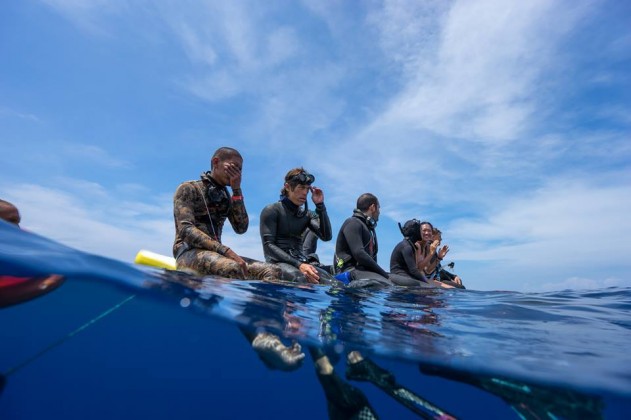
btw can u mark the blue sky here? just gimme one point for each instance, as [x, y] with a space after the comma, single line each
[506, 124]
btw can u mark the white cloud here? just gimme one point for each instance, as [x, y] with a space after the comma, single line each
[10, 113]
[198, 48]
[93, 154]
[487, 71]
[95, 222]
[577, 229]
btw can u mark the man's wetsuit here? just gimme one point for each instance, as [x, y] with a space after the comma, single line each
[200, 209]
[282, 227]
[309, 242]
[356, 249]
[403, 263]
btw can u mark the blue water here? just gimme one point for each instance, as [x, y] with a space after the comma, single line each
[119, 341]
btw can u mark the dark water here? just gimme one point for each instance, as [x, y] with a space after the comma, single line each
[116, 341]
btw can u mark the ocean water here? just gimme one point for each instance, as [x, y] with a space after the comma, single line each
[122, 341]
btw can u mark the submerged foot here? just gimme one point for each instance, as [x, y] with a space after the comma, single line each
[360, 369]
[344, 400]
[275, 354]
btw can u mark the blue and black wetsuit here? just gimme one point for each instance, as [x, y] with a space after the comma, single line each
[282, 226]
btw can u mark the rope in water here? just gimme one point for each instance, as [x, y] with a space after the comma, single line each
[68, 336]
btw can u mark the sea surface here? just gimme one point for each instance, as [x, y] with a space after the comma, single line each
[120, 341]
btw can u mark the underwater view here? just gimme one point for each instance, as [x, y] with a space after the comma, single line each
[98, 338]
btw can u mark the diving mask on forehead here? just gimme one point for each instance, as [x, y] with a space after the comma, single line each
[302, 178]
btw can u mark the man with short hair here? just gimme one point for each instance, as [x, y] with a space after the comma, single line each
[200, 209]
[356, 245]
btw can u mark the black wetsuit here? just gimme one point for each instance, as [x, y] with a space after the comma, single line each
[356, 249]
[282, 226]
[403, 263]
[309, 242]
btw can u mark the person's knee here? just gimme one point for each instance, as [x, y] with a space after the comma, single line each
[228, 268]
[399, 280]
[210, 263]
[291, 273]
[264, 271]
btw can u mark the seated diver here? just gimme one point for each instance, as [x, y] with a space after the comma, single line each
[200, 209]
[356, 248]
[283, 223]
[403, 258]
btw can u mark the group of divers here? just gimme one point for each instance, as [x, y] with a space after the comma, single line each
[289, 232]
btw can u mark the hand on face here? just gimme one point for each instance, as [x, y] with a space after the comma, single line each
[317, 195]
[233, 172]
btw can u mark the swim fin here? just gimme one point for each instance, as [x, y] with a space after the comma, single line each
[366, 370]
[529, 400]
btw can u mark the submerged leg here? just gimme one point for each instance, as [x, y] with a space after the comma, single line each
[361, 369]
[530, 401]
[344, 401]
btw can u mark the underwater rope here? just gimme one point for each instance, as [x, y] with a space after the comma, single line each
[66, 337]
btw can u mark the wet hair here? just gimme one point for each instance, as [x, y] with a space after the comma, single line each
[411, 230]
[289, 179]
[366, 200]
[224, 153]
